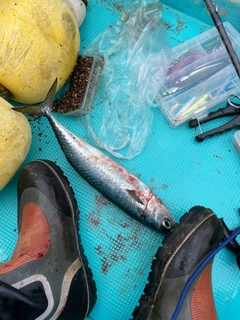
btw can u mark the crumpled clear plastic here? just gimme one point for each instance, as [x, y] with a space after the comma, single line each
[136, 59]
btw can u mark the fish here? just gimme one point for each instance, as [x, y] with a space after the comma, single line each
[103, 173]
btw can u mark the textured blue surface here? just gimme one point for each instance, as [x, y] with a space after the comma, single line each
[182, 172]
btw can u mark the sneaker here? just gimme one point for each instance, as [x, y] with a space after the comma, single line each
[183, 250]
[48, 275]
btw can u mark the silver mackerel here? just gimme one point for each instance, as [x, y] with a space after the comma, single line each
[105, 174]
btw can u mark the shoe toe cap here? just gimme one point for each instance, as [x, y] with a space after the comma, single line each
[49, 179]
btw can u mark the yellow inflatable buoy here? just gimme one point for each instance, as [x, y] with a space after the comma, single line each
[39, 42]
[15, 140]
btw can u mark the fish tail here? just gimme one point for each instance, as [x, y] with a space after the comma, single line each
[40, 109]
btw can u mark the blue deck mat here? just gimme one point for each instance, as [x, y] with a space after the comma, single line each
[182, 172]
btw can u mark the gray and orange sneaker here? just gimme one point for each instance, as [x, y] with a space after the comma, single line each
[48, 275]
[184, 249]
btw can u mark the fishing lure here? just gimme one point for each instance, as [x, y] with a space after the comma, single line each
[193, 104]
[184, 62]
[198, 75]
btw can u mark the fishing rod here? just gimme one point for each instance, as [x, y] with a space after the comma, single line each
[223, 34]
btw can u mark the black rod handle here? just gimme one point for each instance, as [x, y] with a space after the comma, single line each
[223, 34]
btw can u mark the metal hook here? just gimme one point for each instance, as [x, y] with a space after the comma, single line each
[233, 104]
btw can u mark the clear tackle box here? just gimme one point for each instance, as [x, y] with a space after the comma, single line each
[200, 76]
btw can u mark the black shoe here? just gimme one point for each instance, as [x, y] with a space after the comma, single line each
[48, 276]
[184, 248]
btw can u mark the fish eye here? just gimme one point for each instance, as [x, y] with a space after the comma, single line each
[166, 224]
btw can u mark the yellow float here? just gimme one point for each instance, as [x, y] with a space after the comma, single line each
[39, 42]
[15, 140]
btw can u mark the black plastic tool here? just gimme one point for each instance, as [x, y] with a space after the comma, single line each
[231, 109]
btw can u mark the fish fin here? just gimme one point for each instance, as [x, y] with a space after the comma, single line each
[132, 193]
[42, 108]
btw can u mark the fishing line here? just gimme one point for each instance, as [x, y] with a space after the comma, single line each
[199, 270]
[223, 34]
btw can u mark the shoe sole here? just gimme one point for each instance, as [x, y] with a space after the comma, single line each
[190, 221]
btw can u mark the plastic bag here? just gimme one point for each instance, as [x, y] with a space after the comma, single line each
[135, 52]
